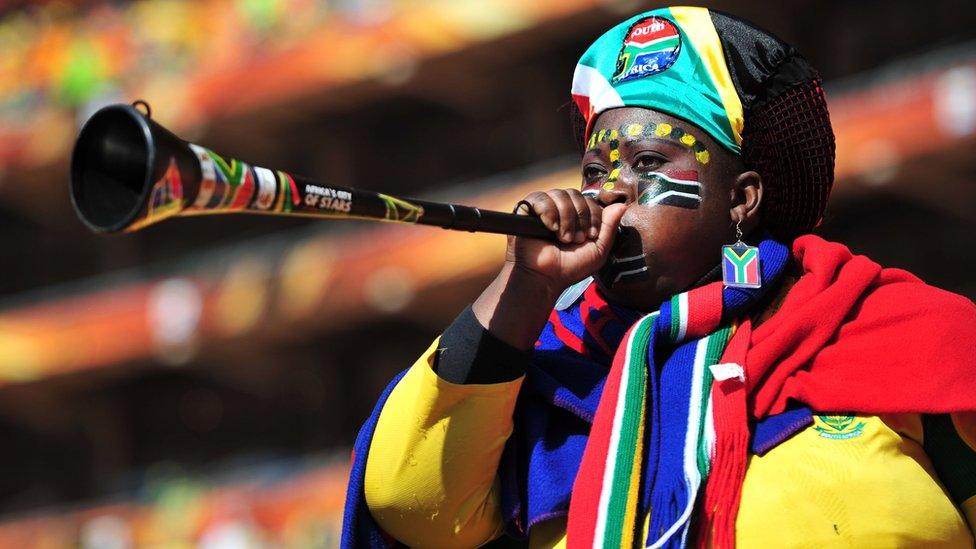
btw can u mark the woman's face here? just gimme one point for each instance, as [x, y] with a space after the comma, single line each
[683, 194]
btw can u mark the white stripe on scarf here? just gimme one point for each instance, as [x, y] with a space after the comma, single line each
[682, 316]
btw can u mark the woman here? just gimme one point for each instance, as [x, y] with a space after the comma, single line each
[653, 379]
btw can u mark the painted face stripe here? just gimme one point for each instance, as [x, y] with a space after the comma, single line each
[699, 29]
[651, 131]
[672, 198]
[689, 184]
[630, 272]
[657, 188]
[626, 266]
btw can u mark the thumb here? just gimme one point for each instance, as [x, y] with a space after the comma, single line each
[612, 215]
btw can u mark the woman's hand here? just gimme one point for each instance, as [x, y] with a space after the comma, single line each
[515, 306]
[585, 230]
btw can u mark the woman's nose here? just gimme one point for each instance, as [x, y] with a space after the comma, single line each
[620, 187]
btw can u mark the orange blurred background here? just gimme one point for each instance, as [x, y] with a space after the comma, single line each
[200, 383]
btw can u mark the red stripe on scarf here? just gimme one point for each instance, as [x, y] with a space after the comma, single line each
[728, 469]
[584, 504]
[704, 310]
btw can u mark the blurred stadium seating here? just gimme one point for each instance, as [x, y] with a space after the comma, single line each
[201, 382]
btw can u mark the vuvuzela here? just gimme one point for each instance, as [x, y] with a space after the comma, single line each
[128, 172]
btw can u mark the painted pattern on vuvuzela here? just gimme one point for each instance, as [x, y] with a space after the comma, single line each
[400, 210]
[231, 185]
[165, 198]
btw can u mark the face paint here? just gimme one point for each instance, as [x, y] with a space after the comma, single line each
[650, 131]
[627, 261]
[672, 188]
[626, 267]
[614, 160]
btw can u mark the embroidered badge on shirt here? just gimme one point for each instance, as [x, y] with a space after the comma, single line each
[651, 46]
[838, 427]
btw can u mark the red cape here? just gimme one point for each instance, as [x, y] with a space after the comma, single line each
[852, 336]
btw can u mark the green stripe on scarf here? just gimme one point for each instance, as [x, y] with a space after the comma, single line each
[629, 429]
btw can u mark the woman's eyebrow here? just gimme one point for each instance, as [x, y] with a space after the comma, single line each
[631, 133]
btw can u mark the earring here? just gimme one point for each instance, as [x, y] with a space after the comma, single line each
[740, 263]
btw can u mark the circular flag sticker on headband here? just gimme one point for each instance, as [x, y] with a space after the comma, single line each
[651, 46]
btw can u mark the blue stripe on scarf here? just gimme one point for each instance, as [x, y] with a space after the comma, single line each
[669, 493]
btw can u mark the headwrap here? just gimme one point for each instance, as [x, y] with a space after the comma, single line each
[750, 92]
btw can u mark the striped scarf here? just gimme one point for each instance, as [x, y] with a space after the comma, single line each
[670, 414]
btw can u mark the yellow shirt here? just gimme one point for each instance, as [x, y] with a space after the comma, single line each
[843, 481]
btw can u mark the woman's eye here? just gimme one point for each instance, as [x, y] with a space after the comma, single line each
[646, 162]
[591, 172]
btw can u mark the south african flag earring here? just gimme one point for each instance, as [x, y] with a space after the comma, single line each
[740, 263]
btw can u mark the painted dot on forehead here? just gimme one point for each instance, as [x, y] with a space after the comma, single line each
[634, 130]
[662, 130]
[614, 159]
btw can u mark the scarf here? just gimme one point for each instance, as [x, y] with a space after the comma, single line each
[660, 428]
[849, 336]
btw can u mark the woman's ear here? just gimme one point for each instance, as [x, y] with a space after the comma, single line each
[747, 193]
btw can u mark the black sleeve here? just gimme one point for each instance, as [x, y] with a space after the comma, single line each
[469, 354]
[953, 459]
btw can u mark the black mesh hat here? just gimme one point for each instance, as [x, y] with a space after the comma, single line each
[751, 92]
